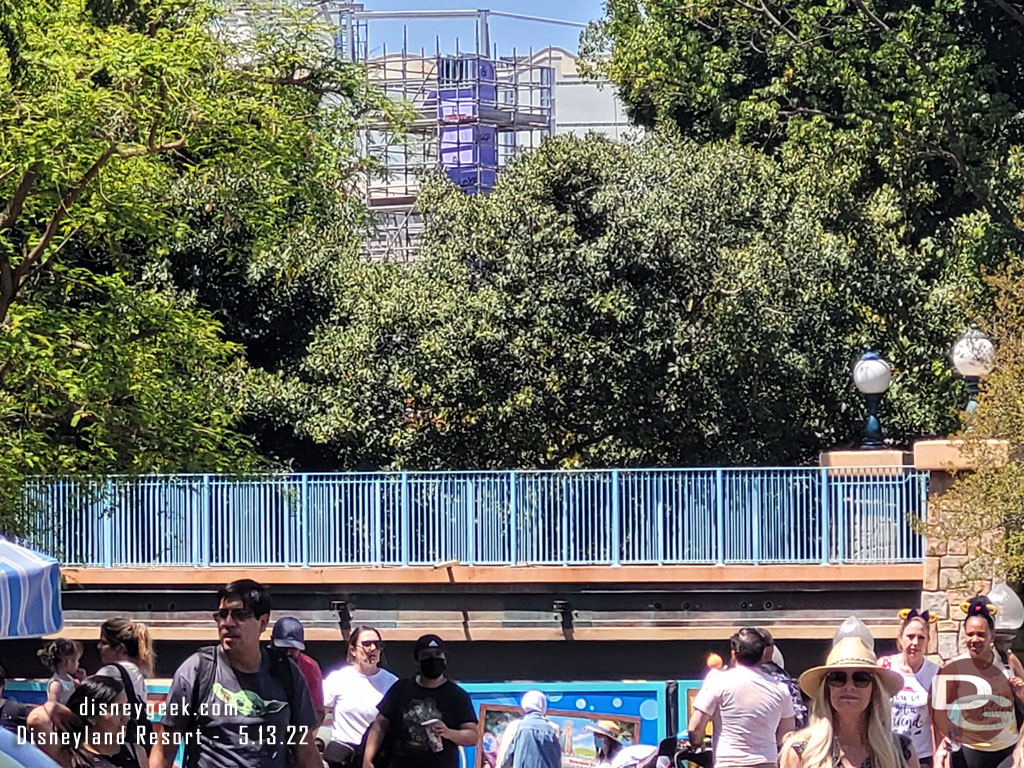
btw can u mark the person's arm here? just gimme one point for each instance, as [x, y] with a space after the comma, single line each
[697, 727]
[786, 725]
[912, 761]
[162, 755]
[306, 753]
[790, 758]
[465, 735]
[53, 691]
[176, 715]
[1017, 677]
[374, 738]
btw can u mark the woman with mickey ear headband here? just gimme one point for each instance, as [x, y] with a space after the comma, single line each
[980, 733]
[910, 714]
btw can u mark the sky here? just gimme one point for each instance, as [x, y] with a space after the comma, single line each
[507, 33]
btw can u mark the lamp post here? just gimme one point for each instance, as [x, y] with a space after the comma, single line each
[973, 356]
[871, 376]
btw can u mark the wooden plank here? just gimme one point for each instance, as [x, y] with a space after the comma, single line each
[702, 575]
[515, 634]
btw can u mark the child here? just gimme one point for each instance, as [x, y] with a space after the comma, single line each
[61, 657]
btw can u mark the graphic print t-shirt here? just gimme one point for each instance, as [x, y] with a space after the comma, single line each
[910, 715]
[406, 705]
[246, 721]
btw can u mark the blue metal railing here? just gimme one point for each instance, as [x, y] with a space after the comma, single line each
[602, 517]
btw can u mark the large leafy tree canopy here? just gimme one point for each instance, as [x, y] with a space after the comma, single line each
[653, 303]
[926, 97]
[132, 132]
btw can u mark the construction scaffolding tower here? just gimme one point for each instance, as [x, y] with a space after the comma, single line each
[471, 113]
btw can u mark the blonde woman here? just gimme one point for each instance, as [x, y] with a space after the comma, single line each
[850, 723]
[910, 712]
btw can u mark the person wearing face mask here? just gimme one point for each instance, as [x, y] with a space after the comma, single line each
[424, 719]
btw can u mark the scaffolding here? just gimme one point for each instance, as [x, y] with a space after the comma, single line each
[471, 113]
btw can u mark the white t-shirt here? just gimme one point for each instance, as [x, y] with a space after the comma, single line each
[354, 698]
[751, 704]
[910, 715]
[134, 674]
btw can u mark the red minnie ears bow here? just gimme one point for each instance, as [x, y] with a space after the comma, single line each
[912, 613]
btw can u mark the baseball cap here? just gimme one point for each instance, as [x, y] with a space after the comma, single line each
[428, 642]
[288, 633]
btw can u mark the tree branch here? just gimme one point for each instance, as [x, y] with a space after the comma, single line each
[1010, 11]
[13, 208]
[58, 217]
[766, 11]
[996, 208]
[170, 146]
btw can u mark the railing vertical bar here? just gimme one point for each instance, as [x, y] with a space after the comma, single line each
[304, 530]
[823, 516]
[405, 518]
[720, 516]
[616, 522]
[108, 526]
[513, 503]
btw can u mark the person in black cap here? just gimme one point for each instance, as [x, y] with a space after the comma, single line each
[423, 719]
[289, 636]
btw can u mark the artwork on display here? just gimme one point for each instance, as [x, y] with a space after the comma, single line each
[577, 743]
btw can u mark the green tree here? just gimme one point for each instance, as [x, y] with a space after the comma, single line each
[925, 97]
[634, 304]
[122, 124]
[983, 506]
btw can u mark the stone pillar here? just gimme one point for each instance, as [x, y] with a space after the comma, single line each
[942, 587]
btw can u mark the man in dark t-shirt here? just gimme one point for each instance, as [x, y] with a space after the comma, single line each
[424, 719]
[237, 705]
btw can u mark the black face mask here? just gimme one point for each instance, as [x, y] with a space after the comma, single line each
[432, 668]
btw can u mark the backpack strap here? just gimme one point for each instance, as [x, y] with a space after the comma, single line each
[138, 714]
[206, 671]
[284, 669]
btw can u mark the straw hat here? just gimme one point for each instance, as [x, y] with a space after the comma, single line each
[851, 653]
[608, 728]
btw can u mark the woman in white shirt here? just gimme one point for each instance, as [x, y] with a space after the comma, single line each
[352, 694]
[910, 713]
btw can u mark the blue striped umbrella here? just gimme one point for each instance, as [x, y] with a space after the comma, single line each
[29, 592]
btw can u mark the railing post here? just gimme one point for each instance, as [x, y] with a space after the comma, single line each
[756, 528]
[470, 521]
[720, 516]
[616, 519]
[825, 522]
[564, 492]
[205, 533]
[405, 518]
[513, 518]
[108, 525]
[378, 530]
[919, 538]
[304, 520]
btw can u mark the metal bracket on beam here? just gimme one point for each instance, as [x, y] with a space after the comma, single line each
[564, 615]
[344, 610]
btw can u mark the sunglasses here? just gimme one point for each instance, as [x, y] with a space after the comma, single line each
[370, 644]
[860, 679]
[239, 614]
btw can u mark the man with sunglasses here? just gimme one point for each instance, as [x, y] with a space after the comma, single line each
[756, 710]
[236, 705]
